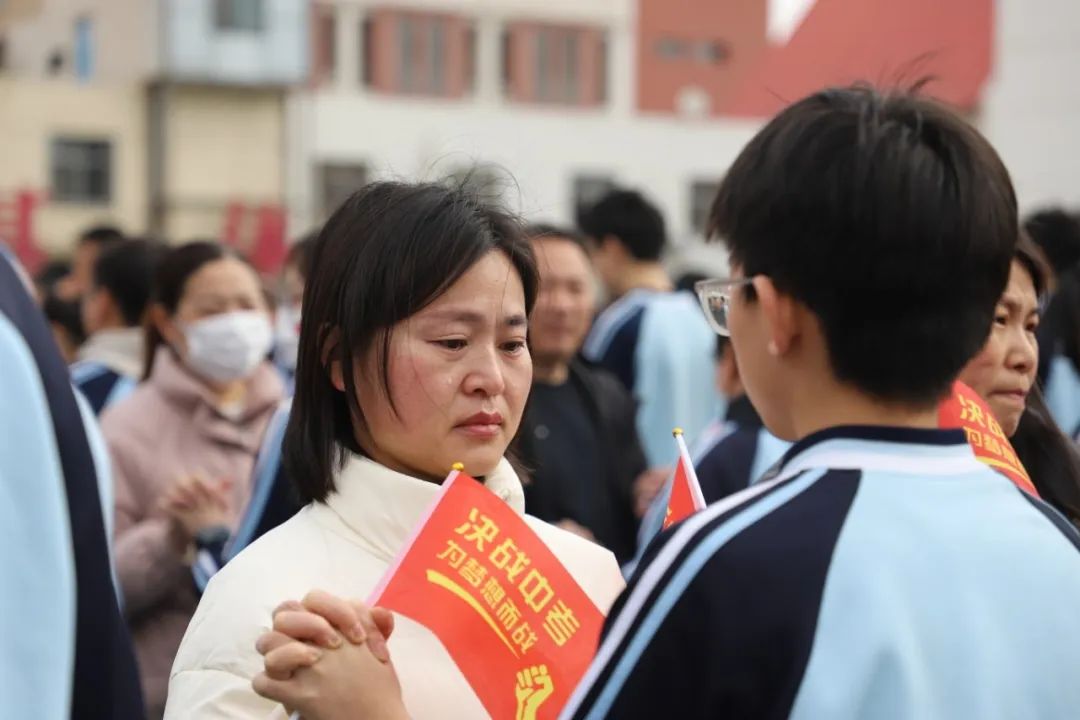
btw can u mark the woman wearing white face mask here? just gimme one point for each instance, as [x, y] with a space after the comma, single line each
[183, 443]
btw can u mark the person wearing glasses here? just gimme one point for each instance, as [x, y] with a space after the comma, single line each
[885, 572]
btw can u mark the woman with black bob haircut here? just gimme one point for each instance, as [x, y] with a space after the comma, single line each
[1004, 373]
[413, 356]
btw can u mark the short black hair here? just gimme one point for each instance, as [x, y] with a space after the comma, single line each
[888, 216]
[101, 235]
[65, 313]
[627, 216]
[388, 252]
[1057, 233]
[126, 271]
[539, 231]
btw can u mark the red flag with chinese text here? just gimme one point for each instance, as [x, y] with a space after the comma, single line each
[518, 626]
[686, 497]
[966, 410]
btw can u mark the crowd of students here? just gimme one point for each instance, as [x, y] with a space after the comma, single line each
[246, 441]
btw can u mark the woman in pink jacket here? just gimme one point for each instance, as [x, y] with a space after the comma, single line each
[183, 444]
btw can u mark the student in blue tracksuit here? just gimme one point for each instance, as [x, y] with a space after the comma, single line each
[884, 572]
[651, 337]
[65, 651]
[110, 362]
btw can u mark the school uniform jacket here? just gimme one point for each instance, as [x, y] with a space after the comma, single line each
[885, 573]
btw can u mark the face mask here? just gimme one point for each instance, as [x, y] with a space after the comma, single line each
[229, 346]
[287, 336]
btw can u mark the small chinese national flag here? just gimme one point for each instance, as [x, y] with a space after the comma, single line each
[966, 410]
[685, 498]
[518, 626]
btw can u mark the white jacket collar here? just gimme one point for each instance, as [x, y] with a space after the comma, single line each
[383, 506]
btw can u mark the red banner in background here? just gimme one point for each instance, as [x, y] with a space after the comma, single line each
[518, 626]
[966, 410]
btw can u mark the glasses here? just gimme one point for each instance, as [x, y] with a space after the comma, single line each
[715, 298]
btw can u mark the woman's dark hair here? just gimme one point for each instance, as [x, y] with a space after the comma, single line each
[173, 272]
[1050, 458]
[388, 252]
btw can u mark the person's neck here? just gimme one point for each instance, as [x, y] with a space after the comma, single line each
[836, 405]
[643, 275]
[550, 371]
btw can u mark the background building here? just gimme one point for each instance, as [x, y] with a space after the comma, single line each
[162, 115]
[249, 120]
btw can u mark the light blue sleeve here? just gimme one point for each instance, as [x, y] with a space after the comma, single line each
[675, 375]
[37, 596]
[1063, 394]
[102, 465]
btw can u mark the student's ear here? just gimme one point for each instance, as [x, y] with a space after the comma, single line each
[780, 312]
[333, 367]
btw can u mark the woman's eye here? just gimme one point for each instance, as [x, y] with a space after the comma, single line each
[514, 346]
[452, 343]
[1001, 319]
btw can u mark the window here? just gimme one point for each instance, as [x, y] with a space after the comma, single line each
[422, 60]
[337, 181]
[557, 52]
[702, 194]
[324, 48]
[81, 170]
[506, 49]
[588, 190]
[84, 49]
[367, 45]
[240, 15]
[553, 64]
[712, 52]
[672, 48]
[470, 59]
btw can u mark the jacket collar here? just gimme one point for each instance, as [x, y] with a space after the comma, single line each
[890, 449]
[383, 506]
[263, 390]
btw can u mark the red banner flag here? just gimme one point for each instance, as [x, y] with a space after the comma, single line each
[518, 626]
[966, 410]
[686, 497]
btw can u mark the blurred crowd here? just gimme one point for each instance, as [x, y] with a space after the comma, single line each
[186, 363]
